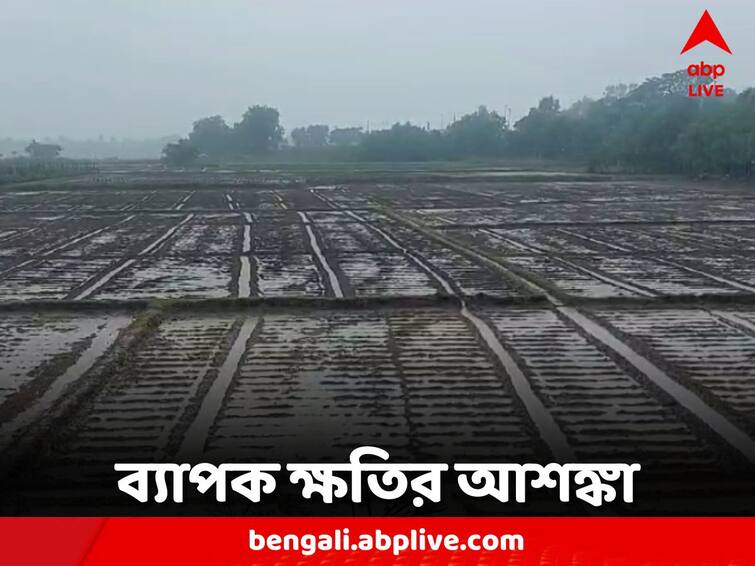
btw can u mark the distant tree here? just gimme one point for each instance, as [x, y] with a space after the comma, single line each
[545, 132]
[668, 84]
[346, 136]
[618, 90]
[259, 131]
[43, 151]
[311, 136]
[180, 154]
[299, 136]
[403, 142]
[211, 136]
[549, 104]
[721, 139]
[653, 127]
[480, 134]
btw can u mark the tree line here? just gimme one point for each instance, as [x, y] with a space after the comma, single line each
[259, 132]
[653, 127]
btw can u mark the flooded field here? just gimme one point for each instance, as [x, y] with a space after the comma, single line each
[229, 316]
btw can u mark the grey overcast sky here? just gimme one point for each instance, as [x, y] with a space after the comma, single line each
[144, 68]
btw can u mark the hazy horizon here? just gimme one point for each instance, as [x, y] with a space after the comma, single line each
[138, 70]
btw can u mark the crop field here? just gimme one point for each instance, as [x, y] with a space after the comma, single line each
[270, 316]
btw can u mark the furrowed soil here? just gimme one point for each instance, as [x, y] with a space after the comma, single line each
[449, 316]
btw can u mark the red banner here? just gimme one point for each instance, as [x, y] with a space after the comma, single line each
[375, 541]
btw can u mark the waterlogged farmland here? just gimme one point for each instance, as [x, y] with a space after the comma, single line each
[152, 316]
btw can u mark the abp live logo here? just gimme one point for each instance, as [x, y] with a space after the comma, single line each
[706, 30]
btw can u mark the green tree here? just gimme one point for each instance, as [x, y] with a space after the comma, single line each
[180, 154]
[721, 140]
[343, 137]
[618, 91]
[479, 134]
[315, 135]
[403, 142]
[211, 136]
[546, 132]
[258, 132]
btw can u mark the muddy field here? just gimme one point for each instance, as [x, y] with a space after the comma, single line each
[227, 316]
